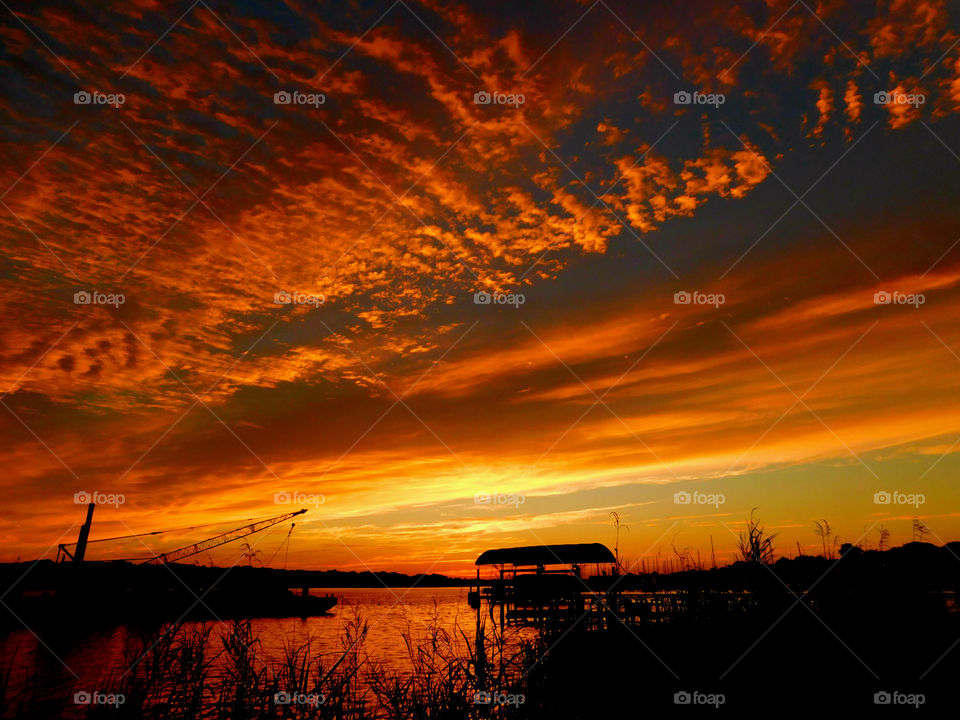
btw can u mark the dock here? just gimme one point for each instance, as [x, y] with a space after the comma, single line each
[551, 586]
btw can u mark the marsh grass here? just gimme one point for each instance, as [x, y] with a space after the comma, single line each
[190, 671]
[448, 674]
[218, 672]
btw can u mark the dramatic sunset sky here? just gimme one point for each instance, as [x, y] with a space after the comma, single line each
[398, 398]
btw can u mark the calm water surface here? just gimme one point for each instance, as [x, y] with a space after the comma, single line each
[90, 659]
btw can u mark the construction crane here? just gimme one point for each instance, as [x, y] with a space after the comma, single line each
[179, 553]
[223, 539]
[77, 555]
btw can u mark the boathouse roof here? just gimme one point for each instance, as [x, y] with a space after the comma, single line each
[572, 554]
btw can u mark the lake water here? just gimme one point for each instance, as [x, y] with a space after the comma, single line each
[90, 659]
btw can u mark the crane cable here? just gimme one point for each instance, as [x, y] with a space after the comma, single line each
[286, 542]
[292, 525]
[183, 529]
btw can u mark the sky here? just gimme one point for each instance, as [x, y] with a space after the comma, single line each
[719, 243]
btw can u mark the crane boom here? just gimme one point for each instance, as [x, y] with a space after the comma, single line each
[222, 539]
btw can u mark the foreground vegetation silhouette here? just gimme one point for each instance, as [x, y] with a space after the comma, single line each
[840, 632]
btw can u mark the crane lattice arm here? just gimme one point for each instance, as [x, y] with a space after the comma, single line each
[217, 540]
